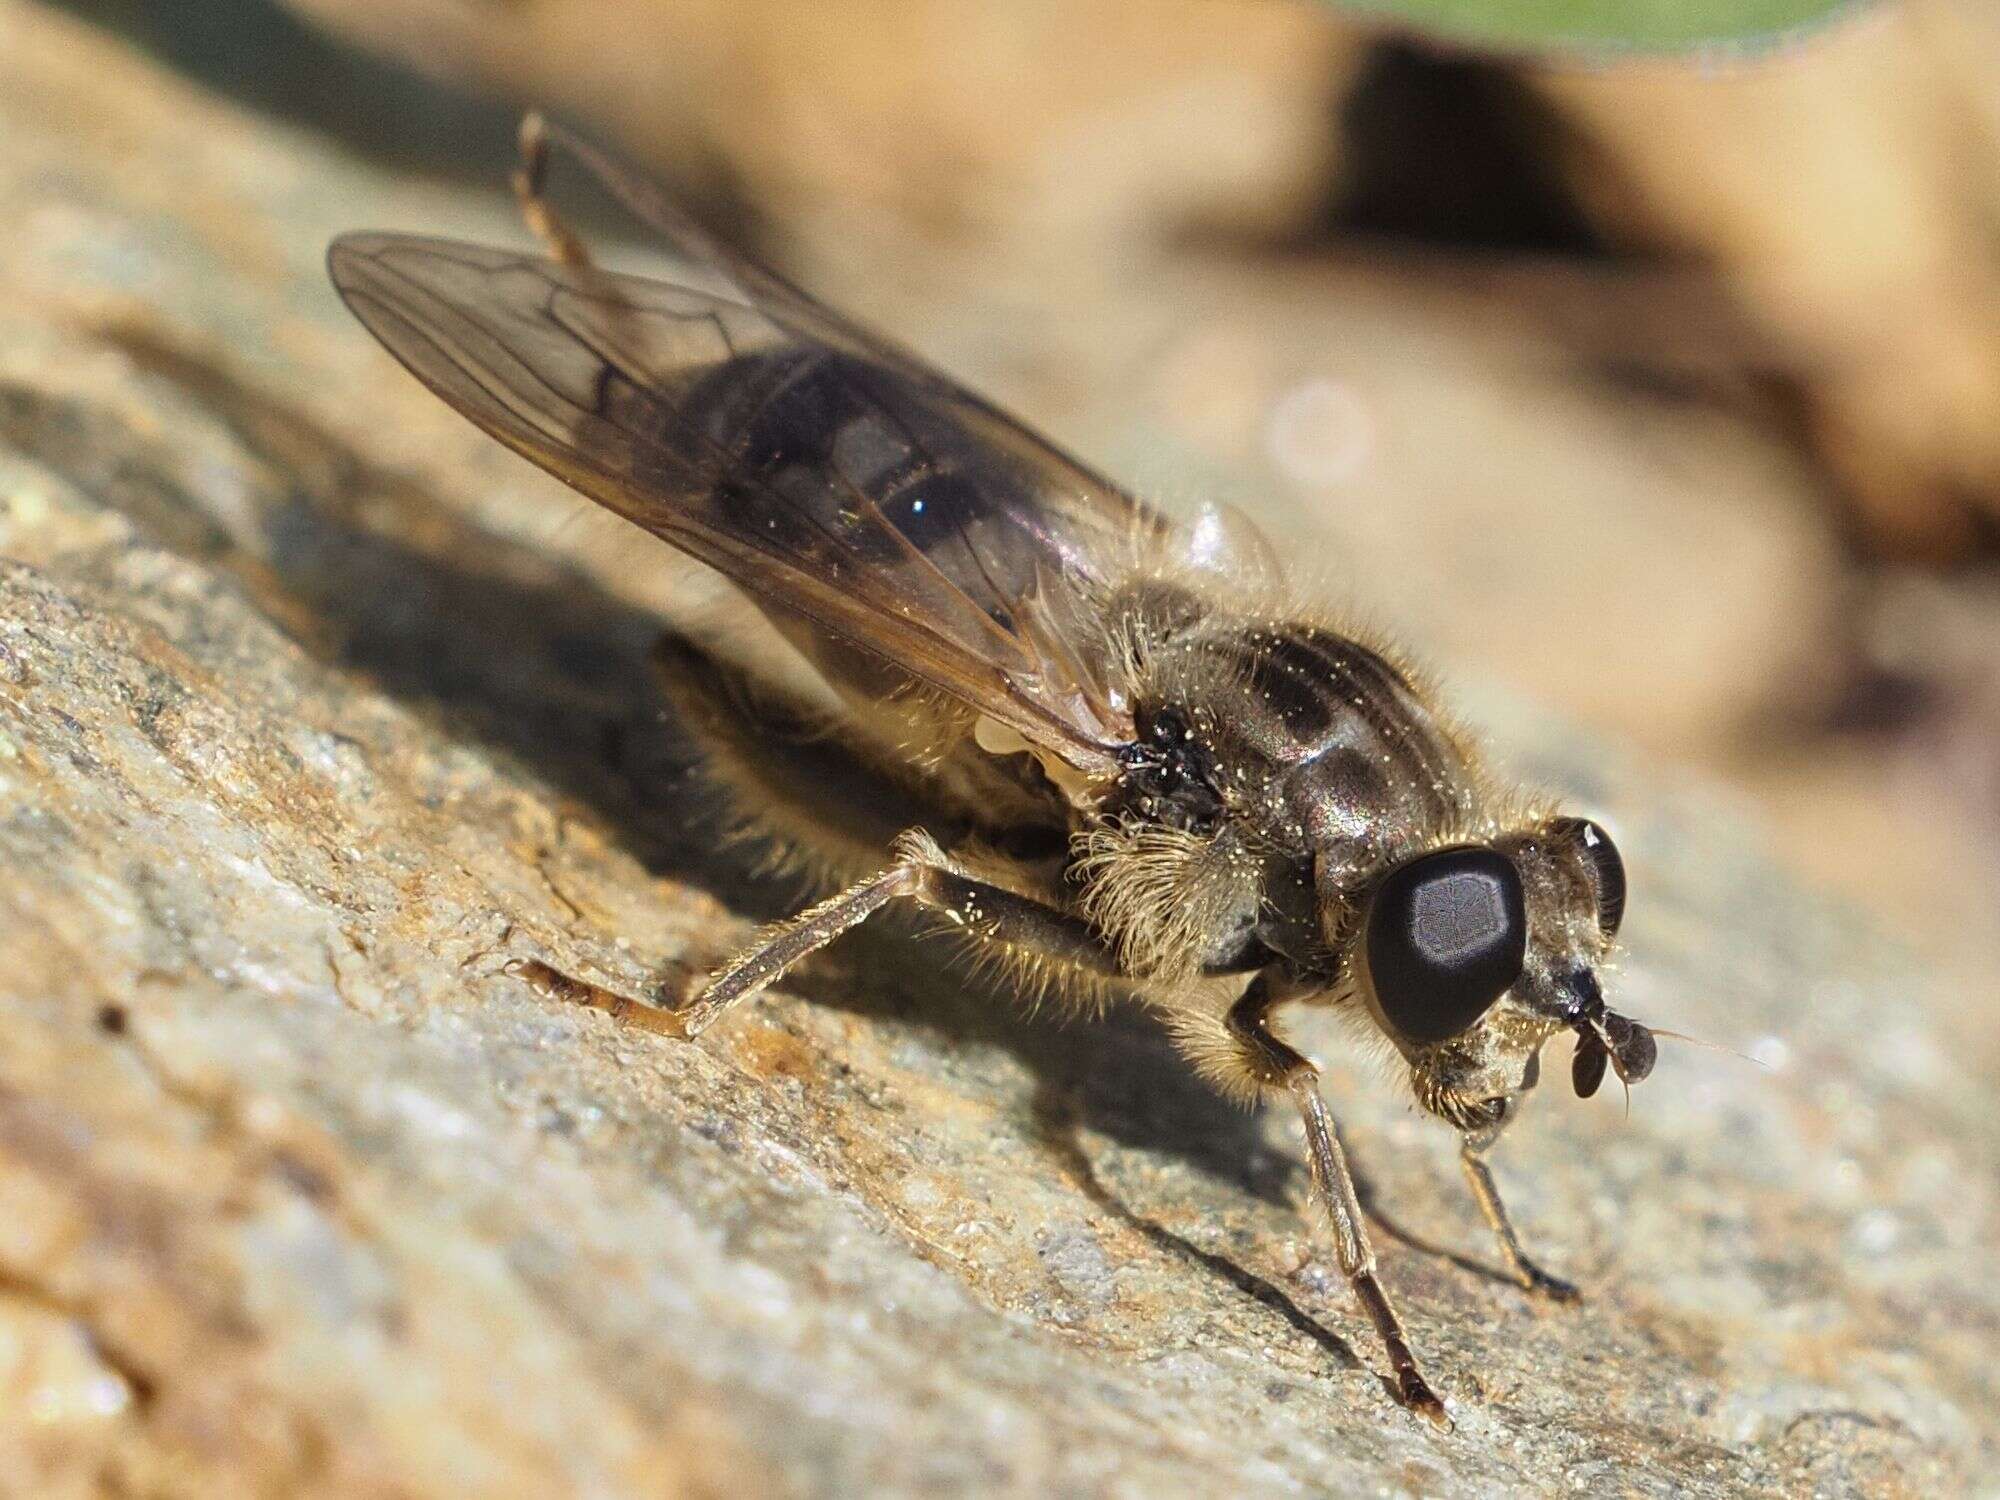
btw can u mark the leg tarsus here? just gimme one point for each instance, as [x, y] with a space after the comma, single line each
[1409, 1386]
[624, 1009]
[759, 965]
[1550, 1287]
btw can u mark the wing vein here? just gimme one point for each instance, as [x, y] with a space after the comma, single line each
[833, 475]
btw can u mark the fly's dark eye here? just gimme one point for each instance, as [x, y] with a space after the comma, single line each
[1607, 868]
[1446, 937]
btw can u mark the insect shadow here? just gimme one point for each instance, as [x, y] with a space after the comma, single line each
[1058, 1114]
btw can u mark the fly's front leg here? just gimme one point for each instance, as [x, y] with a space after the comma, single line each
[1276, 1065]
[1472, 1155]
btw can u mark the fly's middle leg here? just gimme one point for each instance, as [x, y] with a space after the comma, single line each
[924, 874]
[778, 767]
[921, 873]
[765, 961]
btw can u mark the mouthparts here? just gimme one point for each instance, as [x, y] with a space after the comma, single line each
[1606, 1039]
[1619, 1041]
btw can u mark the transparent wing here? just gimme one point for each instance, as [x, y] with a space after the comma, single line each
[836, 478]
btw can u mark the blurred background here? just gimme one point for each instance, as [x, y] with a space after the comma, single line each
[1663, 392]
[1656, 400]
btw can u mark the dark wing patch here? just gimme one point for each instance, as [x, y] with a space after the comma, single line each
[833, 476]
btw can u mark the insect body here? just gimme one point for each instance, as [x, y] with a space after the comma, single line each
[1113, 761]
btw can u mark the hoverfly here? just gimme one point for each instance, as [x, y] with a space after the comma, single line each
[1118, 767]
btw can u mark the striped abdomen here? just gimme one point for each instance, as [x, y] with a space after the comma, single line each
[1335, 732]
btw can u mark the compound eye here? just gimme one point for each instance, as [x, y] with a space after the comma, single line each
[1606, 868]
[1446, 937]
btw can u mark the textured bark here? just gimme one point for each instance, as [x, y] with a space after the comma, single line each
[311, 722]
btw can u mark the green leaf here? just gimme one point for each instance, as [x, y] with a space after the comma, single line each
[1610, 26]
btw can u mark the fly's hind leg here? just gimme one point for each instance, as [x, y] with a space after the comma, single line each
[771, 764]
[529, 177]
[784, 768]
[1273, 1064]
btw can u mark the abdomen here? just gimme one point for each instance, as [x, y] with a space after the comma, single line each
[1354, 752]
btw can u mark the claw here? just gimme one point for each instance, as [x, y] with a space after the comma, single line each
[1539, 1283]
[1413, 1393]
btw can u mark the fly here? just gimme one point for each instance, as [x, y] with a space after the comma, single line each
[1111, 751]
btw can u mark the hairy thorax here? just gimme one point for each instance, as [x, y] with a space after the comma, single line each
[1272, 761]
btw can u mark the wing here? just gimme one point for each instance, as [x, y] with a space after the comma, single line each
[835, 477]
